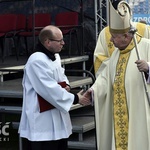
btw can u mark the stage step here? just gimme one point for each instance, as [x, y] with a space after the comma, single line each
[82, 125]
[89, 142]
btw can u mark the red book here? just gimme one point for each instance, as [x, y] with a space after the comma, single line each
[45, 105]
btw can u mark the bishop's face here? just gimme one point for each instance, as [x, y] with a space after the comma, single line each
[119, 40]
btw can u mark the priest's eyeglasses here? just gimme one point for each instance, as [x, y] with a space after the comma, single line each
[60, 41]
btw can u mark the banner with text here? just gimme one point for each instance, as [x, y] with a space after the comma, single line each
[139, 17]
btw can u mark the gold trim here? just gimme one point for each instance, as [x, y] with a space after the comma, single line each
[98, 62]
[120, 104]
[141, 28]
[110, 44]
[119, 31]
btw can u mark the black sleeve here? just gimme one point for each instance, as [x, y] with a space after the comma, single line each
[146, 75]
[76, 99]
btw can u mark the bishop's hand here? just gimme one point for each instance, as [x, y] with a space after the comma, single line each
[84, 98]
[142, 65]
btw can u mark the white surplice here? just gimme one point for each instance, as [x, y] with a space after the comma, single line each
[41, 75]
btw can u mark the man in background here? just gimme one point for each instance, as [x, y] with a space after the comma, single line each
[104, 47]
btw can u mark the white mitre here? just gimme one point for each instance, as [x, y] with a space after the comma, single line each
[120, 19]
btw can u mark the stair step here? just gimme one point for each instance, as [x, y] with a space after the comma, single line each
[82, 125]
[81, 145]
[89, 142]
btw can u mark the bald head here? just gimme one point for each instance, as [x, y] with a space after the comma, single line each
[51, 38]
[49, 32]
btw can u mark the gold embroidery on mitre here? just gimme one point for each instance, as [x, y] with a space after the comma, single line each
[120, 104]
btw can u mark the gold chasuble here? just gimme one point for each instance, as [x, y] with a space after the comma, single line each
[120, 102]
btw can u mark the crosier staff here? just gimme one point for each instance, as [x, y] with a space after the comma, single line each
[133, 31]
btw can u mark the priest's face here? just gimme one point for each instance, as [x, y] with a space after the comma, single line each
[56, 43]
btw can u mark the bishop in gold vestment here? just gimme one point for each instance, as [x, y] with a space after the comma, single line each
[121, 106]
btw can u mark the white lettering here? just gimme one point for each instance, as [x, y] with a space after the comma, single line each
[4, 130]
[137, 19]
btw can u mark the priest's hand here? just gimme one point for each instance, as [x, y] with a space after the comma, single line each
[68, 88]
[84, 98]
[142, 65]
